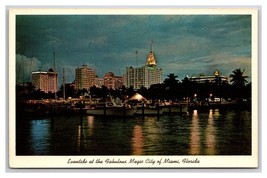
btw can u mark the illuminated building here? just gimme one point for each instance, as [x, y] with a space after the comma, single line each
[145, 76]
[216, 78]
[45, 81]
[112, 82]
[99, 82]
[84, 77]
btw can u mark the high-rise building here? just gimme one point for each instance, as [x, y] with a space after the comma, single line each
[84, 77]
[45, 81]
[52, 80]
[113, 82]
[145, 76]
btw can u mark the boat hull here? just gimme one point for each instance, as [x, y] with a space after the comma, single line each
[149, 111]
[111, 111]
[175, 109]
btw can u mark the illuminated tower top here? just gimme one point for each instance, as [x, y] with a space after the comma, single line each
[216, 73]
[151, 60]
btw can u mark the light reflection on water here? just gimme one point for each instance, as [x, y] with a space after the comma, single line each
[210, 132]
[137, 140]
[40, 136]
[194, 135]
[79, 139]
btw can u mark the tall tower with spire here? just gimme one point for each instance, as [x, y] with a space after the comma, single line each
[146, 75]
[151, 60]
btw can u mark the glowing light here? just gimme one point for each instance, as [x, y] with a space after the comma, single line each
[194, 135]
[79, 138]
[216, 73]
[210, 135]
[90, 121]
[137, 140]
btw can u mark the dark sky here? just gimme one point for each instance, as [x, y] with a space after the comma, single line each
[183, 44]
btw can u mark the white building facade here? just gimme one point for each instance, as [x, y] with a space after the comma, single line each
[144, 76]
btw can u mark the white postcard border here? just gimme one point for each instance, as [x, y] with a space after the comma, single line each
[139, 161]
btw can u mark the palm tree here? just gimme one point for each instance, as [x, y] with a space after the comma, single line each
[238, 78]
[171, 85]
[171, 80]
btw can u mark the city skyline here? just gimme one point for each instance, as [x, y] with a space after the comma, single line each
[183, 44]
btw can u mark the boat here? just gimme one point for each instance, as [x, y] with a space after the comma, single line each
[107, 110]
[148, 110]
[176, 108]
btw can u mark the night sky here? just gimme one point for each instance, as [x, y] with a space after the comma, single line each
[183, 44]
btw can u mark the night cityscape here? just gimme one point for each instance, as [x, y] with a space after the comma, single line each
[133, 85]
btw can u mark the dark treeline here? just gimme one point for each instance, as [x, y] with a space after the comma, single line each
[170, 89]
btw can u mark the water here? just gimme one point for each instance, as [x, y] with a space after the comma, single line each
[209, 132]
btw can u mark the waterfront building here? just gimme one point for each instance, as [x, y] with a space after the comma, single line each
[118, 82]
[145, 76]
[46, 81]
[84, 77]
[99, 82]
[215, 78]
[112, 82]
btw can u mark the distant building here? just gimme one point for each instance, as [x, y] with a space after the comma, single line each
[145, 76]
[99, 82]
[118, 82]
[113, 82]
[216, 78]
[84, 77]
[45, 81]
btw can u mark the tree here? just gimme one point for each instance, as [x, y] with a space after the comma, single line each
[130, 91]
[171, 86]
[95, 92]
[188, 87]
[171, 80]
[69, 91]
[30, 88]
[143, 91]
[238, 78]
[104, 91]
[157, 91]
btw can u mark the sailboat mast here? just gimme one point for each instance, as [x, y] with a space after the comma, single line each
[18, 73]
[54, 58]
[30, 71]
[23, 70]
[63, 84]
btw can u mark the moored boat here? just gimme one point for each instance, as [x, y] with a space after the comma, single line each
[180, 108]
[110, 111]
[149, 110]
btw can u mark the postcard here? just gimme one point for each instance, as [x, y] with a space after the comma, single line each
[133, 88]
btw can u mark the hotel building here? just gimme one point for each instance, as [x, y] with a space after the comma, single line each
[209, 78]
[45, 81]
[84, 77]
[113, 82]
[145, 76]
